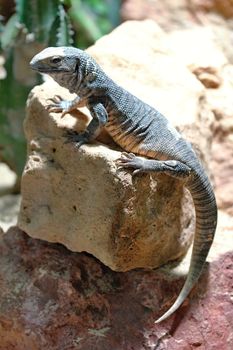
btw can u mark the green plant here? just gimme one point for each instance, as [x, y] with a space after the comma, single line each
[92, 19]
[27, 31]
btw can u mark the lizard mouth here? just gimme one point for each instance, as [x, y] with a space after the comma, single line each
[45, 70]
[50, 70]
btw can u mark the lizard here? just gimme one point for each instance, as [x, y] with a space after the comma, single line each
[149, 141]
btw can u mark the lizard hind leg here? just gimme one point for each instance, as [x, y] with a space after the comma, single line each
[173, 168]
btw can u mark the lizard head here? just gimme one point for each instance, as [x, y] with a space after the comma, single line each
[56, 60]
[64, 65]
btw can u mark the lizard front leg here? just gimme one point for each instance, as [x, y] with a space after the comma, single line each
[63, 106]
[173, 168]
[99, 119]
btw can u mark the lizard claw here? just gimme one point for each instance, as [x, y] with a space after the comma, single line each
[137, 171]
[125, 158]
[59, 105]
[55, 99]
[130, 160]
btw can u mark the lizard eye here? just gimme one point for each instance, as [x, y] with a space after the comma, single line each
[55, 59]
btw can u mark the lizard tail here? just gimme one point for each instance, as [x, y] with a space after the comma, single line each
[206, 221]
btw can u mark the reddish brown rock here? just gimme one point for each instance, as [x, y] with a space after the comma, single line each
[222, 7]
[208, 76]
[186, 14]
[171, 14]
[53, 299]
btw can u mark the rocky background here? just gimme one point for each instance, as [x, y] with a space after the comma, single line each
[51, 298]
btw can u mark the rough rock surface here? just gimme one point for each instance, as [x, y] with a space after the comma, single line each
[222, 7]
[172, 14]
[169, 14]
[87, 204]
[210, 60]
[187, 16]
[53, 299]
[79, 198]
[220, 103]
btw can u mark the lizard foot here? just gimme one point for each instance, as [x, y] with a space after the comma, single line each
[77, 139]
[59, 105]
[130, 160]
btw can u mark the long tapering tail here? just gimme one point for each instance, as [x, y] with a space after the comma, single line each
[206, 222]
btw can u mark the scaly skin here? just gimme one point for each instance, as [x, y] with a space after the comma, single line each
[140, 130]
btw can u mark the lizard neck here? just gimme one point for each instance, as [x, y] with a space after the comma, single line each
[68, 80]
[94, 84]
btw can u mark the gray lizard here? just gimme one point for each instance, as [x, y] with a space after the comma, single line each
[152, 143]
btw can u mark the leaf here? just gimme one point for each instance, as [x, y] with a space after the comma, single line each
[9, 32]
[12, 112]
[37, 17]
[83, 17]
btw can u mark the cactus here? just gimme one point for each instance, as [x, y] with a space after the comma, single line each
[26, 32]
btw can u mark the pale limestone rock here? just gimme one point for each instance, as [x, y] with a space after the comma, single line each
[79, 198]
[220, 102]
[197, 47]
[149, 69]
